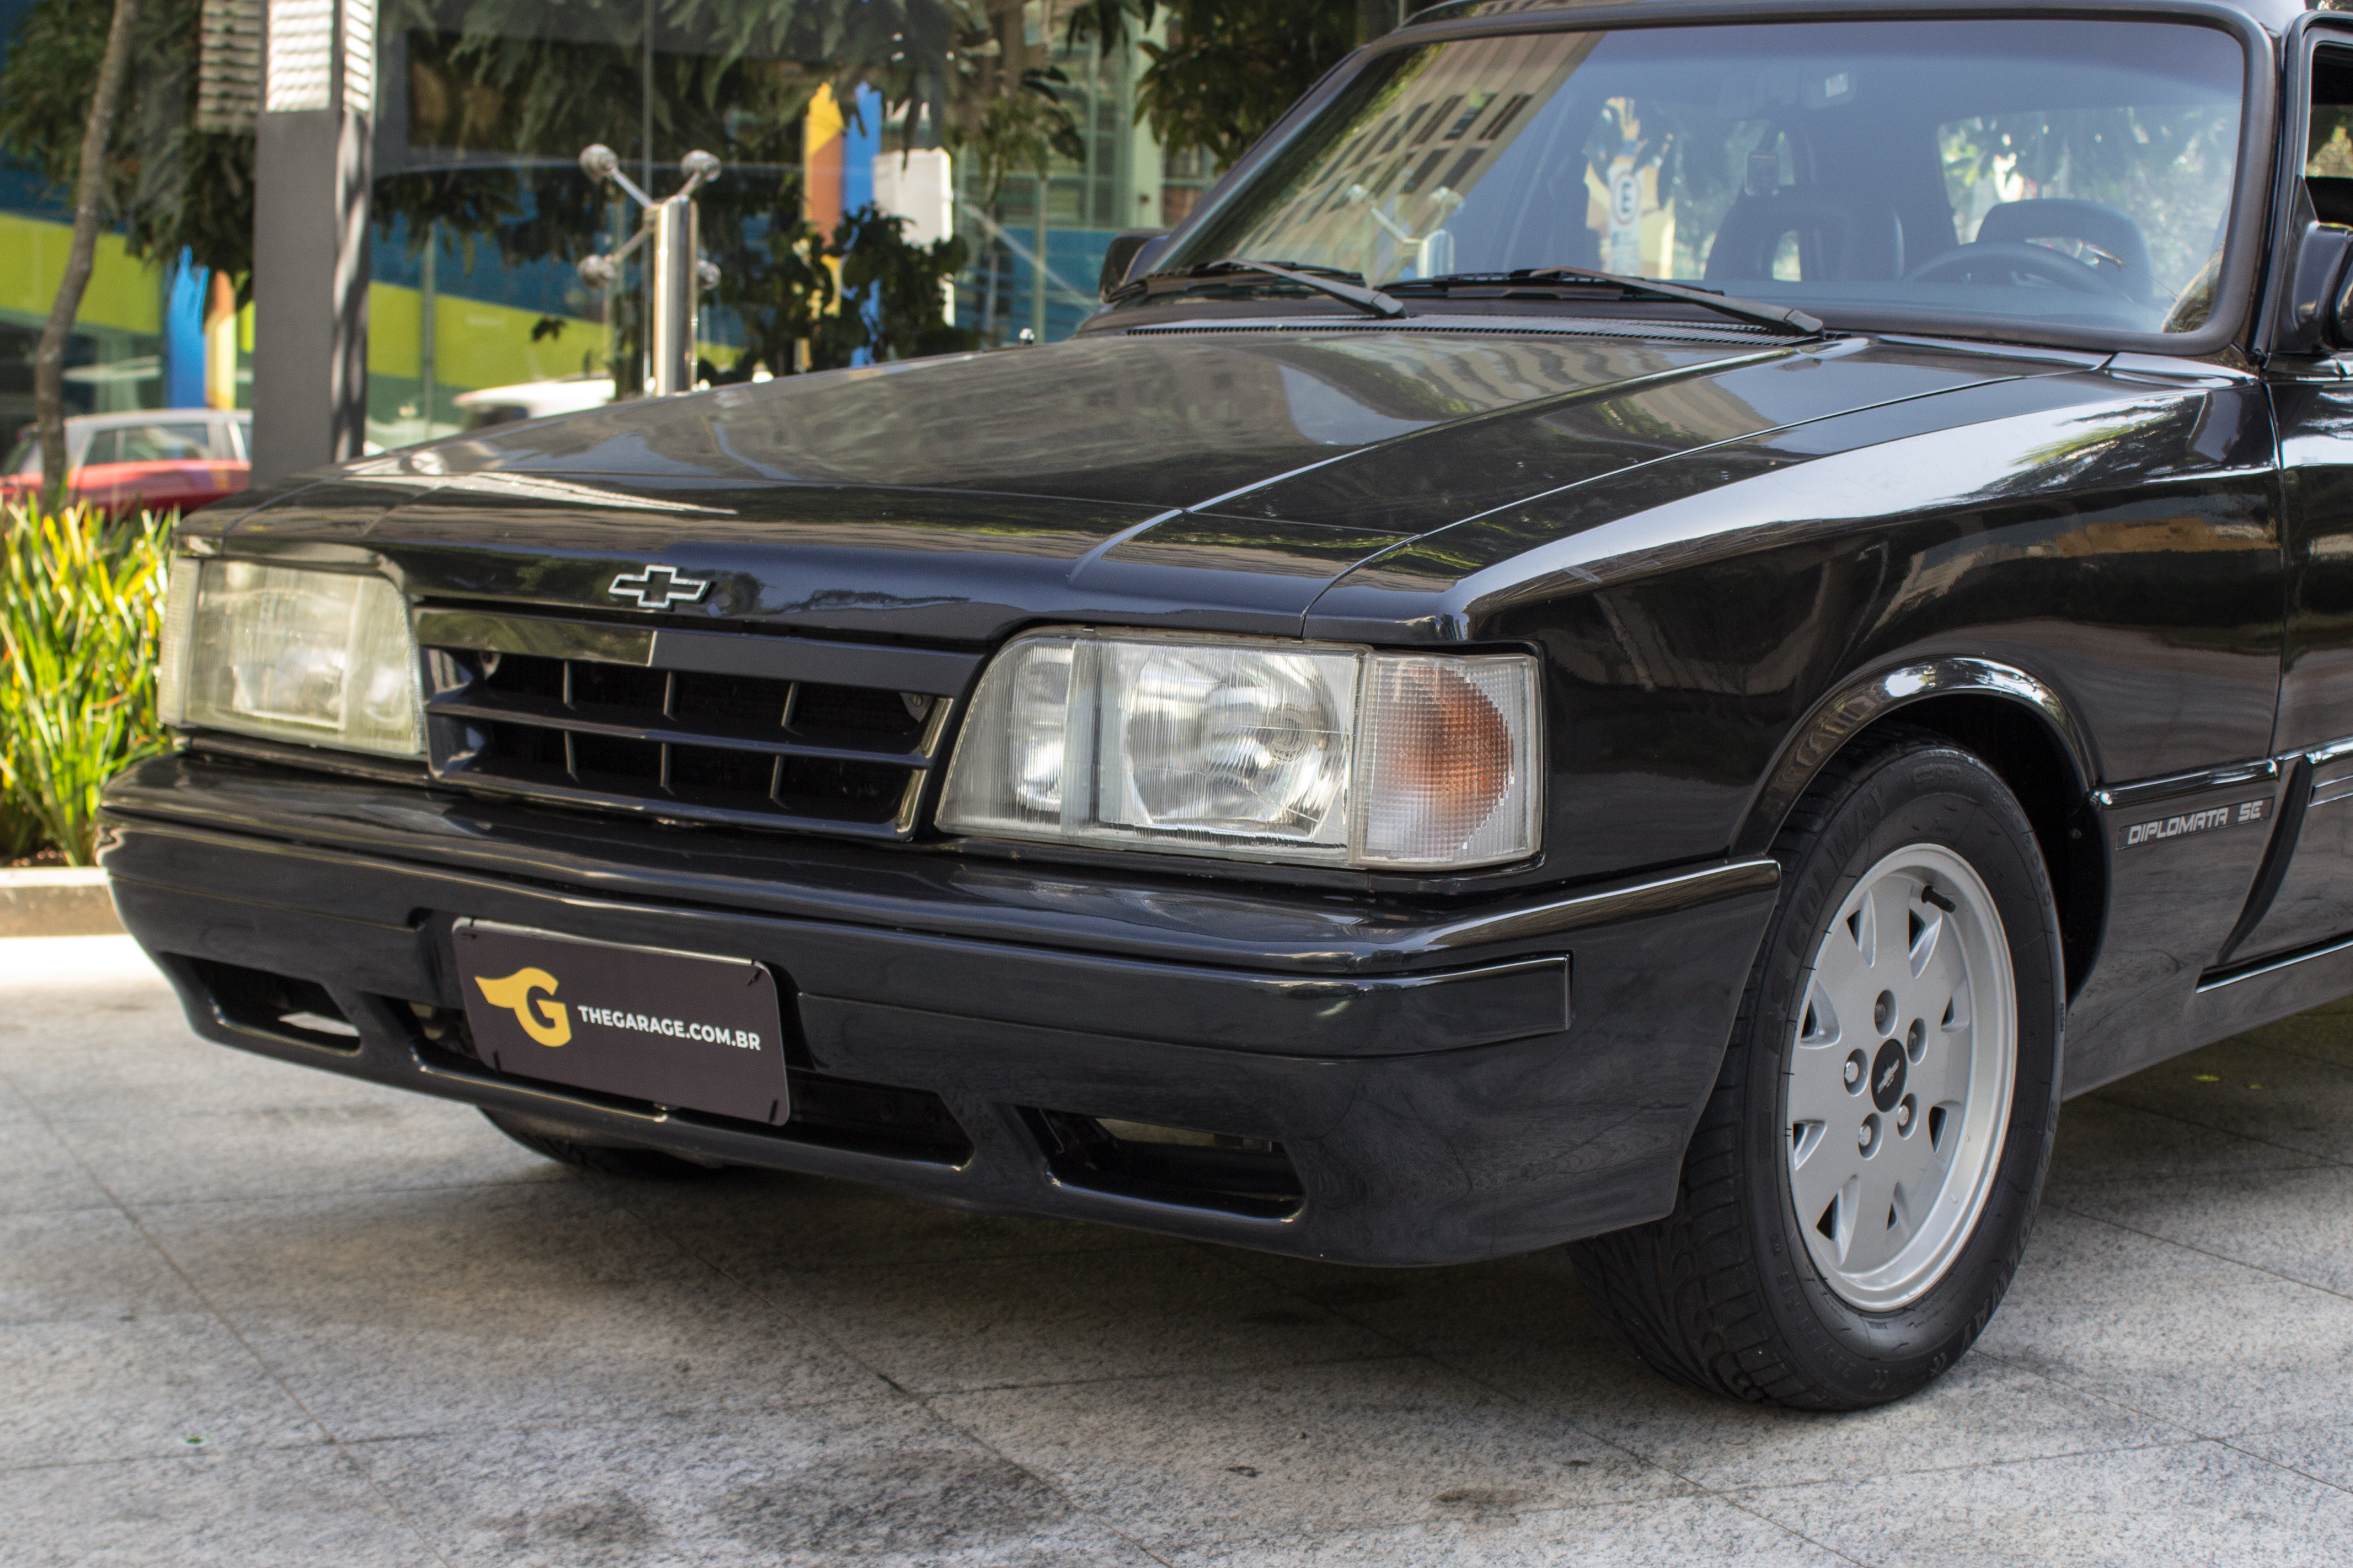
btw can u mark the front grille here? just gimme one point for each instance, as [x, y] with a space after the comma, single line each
[705, 745]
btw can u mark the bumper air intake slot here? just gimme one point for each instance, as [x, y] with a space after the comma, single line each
[1230, 1173]
[277, 1006]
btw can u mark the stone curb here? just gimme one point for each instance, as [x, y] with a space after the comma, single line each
[56, 901]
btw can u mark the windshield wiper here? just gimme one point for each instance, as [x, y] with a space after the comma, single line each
[1710, 299]
[1372, 301]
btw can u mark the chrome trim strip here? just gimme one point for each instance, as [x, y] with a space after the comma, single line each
[1664, 895]
[2216, 981]
[2148, 792]
[928, 672]
[883, 667]
[536, 635]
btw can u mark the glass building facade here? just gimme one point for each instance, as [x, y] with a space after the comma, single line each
[147, 336]
[480, 213]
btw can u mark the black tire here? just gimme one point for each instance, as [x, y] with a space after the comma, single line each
[1724, 1293]
[566, 1147]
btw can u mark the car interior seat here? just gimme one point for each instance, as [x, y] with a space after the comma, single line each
[1840, 238]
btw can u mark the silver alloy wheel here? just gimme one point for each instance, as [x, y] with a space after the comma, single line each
[1899, 1082]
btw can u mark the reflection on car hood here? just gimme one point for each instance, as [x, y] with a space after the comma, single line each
[1159, 420]
[1211, 478]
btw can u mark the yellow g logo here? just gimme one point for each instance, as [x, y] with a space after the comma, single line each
[552, 1026]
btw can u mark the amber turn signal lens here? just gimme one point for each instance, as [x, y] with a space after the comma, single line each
[1445, 761]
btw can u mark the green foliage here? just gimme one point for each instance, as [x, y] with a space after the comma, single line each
[80, 606]
[168, 185]
[1017, 132]
[894, 294]
[1229, 68]
[1229, 71]
[889, 301]
[777, 284]
[19, 834]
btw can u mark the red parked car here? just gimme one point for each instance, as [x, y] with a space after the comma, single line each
[152, 458]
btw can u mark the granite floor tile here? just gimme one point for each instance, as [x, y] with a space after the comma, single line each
[1069, 1318]
[1521, 1323]
[2324, 1034]
[2147, 1508]
[1521, 1327]
[1203, 1464]
[38, 1172]
[2325, 1453]
[69, 994]
[152, 1062]
[2202, 1343]
[2297, 1224]
[238, 1511]
[166, 1384]
[2104, 1142]
[2248, 1089]
[529, 1366]
[93, 1265]
[338, 1135]
[1982, 1411]
[874, 1483]
[1672, 1532]
[774, 1224]
[427, 1310]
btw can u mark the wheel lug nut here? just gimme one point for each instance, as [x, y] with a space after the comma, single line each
[1903, 1114]
[1853, 1070]
[1862, 1137]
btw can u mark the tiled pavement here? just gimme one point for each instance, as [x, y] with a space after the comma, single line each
[257, 1315]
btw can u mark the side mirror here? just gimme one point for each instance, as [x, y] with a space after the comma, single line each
[2317, 316]
[1134, 246]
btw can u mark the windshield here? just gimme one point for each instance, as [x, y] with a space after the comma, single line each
[2069, 172]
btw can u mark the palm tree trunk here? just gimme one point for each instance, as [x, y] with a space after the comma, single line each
[90, 183]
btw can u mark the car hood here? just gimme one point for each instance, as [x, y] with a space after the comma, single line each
[1215, 477]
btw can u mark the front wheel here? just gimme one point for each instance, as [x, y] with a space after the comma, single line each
[1862, 1180]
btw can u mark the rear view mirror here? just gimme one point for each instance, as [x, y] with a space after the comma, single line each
[1126, 249]
[2317, 316]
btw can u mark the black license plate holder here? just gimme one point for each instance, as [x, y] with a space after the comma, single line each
[684, 1030]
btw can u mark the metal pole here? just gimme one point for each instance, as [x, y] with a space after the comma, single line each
[427, 310]
[669, 297]
[675, 271]
[1037, 269]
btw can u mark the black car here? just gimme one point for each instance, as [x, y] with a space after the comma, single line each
[1655, 627]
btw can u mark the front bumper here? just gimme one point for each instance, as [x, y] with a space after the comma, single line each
[1421, 1069]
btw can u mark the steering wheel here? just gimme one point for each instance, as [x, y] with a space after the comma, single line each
[2004, 259]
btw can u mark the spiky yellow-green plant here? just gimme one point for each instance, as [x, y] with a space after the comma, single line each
[82, 601]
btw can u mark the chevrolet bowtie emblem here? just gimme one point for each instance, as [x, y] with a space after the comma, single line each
[658, 588]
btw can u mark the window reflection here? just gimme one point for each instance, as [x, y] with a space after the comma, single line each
[477, 312]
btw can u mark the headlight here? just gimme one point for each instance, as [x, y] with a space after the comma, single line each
[1265, 751]
[321, 657]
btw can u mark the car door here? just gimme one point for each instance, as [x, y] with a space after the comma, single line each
[2305, 894]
